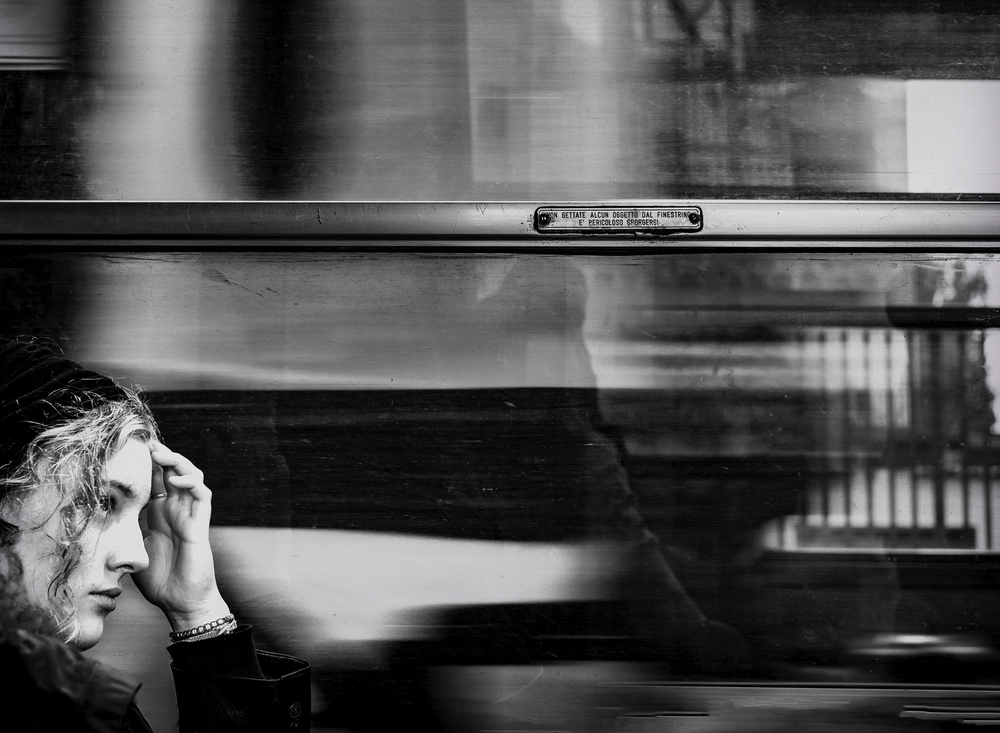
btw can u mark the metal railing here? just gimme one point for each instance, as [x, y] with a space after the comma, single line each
[906, 457]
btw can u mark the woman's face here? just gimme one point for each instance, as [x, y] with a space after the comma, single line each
[112, 545]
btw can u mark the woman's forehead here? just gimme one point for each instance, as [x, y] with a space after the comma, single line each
[130, 469]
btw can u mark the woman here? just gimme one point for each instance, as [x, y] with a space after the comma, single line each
[88, 496]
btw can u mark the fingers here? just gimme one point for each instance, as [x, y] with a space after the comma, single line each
[180, 475]
[169, 459]
[193, 485]
[158, 491]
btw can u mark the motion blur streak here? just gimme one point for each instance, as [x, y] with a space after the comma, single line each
[274, 321]
[386, 587]
[155, 131]
[477, 99]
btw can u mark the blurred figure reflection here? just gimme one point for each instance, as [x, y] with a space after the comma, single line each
[533, 464]
[591, 472]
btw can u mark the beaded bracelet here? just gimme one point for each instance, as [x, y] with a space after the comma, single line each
[220, 626]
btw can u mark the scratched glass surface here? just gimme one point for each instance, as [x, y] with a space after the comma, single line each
[498, 492]
[489, 100]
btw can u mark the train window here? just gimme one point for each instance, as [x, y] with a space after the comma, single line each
[690, 423]
[744, 468]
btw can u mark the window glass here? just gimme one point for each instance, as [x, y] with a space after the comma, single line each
[485, 100]
[803, 447]
[622, 476]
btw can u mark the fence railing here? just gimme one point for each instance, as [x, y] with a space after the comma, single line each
[907, 456]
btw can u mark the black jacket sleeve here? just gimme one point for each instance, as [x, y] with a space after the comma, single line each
[225, 685]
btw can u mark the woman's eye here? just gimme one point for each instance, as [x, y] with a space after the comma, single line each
[105, 502]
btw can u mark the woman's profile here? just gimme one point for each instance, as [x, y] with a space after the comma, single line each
[88, 496]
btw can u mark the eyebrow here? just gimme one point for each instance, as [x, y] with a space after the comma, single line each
[126, 490]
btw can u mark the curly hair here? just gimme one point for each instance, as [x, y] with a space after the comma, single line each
[69, 459]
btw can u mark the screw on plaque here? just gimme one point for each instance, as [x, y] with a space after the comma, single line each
[694, 217]
[544, 219]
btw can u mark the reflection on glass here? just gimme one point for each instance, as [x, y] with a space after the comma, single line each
[477, 99]
[613, 469]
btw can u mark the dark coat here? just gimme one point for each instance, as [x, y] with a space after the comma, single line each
[223, 686]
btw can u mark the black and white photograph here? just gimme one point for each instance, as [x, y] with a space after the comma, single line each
[499, 366]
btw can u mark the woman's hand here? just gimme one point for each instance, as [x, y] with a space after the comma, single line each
[180, 579]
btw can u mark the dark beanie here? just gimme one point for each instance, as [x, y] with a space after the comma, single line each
[40, 388]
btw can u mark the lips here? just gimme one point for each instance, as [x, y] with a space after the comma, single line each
[106, 598]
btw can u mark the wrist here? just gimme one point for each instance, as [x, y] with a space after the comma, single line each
[205, 613]
[219, 627]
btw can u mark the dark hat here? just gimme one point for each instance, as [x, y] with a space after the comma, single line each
[39, 388]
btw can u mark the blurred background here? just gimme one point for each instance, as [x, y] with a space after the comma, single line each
[525, 491]
[496, 99]
[536, 491]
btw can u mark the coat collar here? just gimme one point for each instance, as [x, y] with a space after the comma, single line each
[101, 695]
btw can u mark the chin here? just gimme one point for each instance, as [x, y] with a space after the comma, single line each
[90, 632]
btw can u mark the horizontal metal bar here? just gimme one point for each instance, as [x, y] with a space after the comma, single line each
[867, 224]
[913, 317]
[947, 317]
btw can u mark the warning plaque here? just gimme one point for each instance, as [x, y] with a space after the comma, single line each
[614, 219]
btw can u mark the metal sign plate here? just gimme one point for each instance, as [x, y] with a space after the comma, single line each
[617, 219]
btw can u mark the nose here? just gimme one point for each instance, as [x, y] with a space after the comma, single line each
[127, 551]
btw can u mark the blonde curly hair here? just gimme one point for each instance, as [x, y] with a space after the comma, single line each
[69, 458]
